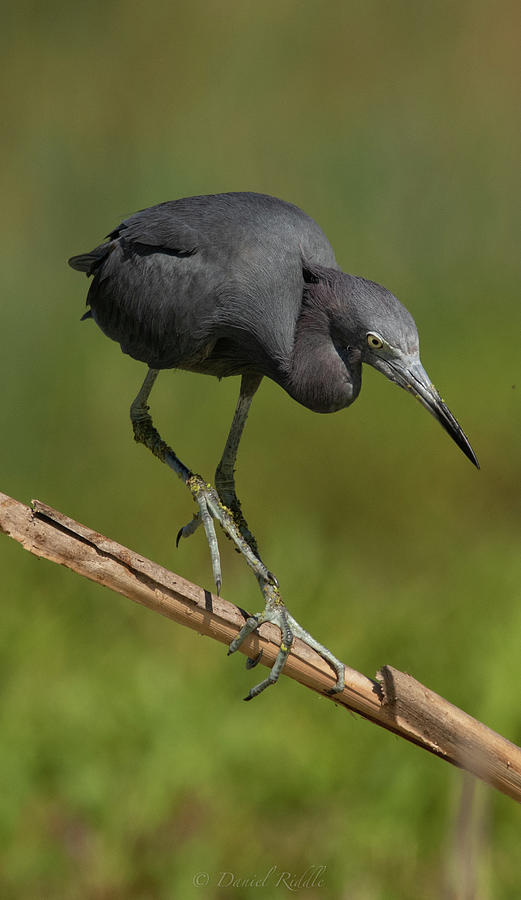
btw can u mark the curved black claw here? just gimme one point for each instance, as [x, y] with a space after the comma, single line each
[272, 678]
[251, 663]
[337, 689]
[189, 528]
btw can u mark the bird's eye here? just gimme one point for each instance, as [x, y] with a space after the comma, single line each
[374, 341]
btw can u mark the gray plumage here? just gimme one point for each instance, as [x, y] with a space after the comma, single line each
[209, 284]
[246, 284]
[228, 284]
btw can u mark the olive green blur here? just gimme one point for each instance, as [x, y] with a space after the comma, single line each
[129, 765]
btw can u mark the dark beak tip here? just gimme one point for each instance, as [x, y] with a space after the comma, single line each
[467, 450]
[459, 437]
[417, 382]
[454, 429]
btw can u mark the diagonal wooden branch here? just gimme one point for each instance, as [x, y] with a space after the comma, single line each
[393, 700]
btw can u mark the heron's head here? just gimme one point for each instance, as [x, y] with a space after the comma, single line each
[386, 335]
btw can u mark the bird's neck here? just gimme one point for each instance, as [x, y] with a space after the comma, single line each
[320, 376]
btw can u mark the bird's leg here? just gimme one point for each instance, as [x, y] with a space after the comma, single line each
[210, 506]
[274, 610]
[224, 476]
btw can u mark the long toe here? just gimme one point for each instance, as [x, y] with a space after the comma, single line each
[210, 507]
[211, 537]
[326, 654]
[203, 496]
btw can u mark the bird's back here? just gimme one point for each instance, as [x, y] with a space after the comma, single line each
[212, 284]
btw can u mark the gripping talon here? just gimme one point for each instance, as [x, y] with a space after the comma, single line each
[251, 663]
[276, 613]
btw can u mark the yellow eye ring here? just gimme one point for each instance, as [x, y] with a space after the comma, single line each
[375, 342]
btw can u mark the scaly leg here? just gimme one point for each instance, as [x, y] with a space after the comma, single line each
[224, 475]
[211, 507]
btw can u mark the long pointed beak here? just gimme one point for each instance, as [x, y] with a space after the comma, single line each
[413, 378]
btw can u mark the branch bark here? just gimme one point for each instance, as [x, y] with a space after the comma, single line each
[393, 700]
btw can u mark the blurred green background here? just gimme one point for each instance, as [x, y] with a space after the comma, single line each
[128, 763]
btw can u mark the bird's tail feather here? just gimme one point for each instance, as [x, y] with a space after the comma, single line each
[89, 262]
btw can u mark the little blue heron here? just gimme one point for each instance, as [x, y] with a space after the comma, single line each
[247, 284]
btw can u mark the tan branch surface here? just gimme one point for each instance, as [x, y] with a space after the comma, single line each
[394, 701]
